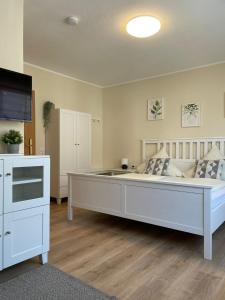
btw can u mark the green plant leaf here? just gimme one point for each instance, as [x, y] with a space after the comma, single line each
[12, 137]
[47, 107]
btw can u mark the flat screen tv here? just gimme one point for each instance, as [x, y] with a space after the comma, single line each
[15, 96]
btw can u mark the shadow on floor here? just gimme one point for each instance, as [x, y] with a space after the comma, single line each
[18, 269]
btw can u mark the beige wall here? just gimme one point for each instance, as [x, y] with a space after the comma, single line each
[11, 47]
[68, 94]
[125, 111]
[124, 107]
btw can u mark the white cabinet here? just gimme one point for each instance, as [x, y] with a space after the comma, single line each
[26, 234]
[1, 210]
[1, 244]
[1, 187]
[68, 142]
[24, 199]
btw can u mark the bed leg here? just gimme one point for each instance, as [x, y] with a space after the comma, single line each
[207, 225]
[70, 208]
[70, 213]
[208, 246]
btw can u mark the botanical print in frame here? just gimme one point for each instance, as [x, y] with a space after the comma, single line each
[191, 114]
[156, 109]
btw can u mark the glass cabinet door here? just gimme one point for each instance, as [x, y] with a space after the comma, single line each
[26, 183]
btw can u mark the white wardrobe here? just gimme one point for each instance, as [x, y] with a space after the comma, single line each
[68, 142]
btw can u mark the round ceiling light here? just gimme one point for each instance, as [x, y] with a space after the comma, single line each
[143, 26]
[72, 20]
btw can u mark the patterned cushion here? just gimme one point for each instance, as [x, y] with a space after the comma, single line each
[157, 166]
[209, 169]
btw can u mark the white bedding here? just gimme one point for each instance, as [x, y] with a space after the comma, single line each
[195, 182]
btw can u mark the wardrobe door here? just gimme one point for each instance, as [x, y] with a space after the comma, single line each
[83, 141]
[68, 129]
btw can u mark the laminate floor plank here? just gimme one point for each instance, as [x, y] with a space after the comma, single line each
[136, 261]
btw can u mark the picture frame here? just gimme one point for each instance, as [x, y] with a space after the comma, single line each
[156, 108]
[191, 115]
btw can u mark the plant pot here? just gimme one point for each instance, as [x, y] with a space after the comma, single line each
[13, 148]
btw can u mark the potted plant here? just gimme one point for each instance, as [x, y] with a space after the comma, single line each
[12, 139]
[47, 107]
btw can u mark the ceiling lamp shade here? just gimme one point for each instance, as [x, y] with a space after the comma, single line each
[143, 26]
[72, 20]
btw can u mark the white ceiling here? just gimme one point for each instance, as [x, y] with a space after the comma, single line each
[99, 50]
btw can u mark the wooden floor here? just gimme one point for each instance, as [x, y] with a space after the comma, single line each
[133, 260]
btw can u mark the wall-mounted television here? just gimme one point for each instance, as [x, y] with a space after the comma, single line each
[15, 96]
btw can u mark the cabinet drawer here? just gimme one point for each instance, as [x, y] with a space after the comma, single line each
[26, 234]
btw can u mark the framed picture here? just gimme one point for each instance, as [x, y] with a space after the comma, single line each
[191, 114]
[156, 109]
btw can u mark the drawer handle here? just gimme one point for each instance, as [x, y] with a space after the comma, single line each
[8, 232]
[8, 174]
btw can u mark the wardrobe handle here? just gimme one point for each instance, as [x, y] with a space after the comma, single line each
[8, 232]
[8, 174]
[0, 175]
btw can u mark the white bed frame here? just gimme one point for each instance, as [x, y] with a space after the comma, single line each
[185, 148]
[185, 205]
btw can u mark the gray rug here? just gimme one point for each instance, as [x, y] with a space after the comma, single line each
[46, 283]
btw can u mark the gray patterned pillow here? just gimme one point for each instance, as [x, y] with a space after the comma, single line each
[209, 169]
[157, 166]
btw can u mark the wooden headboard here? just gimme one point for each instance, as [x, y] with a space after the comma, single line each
[183, 148]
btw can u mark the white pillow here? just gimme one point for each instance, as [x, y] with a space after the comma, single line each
[173, 171]
[213, 154]
[161, 154]
[141, 168]
[190, 173]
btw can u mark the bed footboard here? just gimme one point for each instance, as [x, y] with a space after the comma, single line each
[183, 208]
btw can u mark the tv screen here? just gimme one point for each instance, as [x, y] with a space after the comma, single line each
[15, 96]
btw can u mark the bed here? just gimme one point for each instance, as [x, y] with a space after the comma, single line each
[193, 205]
